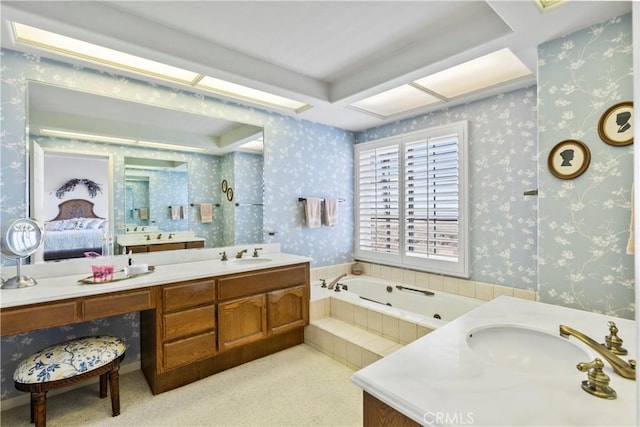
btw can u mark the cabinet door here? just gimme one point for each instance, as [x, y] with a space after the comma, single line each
[287, 309]
[242, 321]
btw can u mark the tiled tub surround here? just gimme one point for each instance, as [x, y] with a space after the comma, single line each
[434, 282]
[357, 332]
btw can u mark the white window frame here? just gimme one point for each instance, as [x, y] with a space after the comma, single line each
[459, 268]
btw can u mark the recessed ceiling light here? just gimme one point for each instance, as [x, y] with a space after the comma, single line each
[546, 4]
[480, 73]
[100, 55]
[86, 136]
[225, 88]
[396, 101]
[166, 146]
[116, 140]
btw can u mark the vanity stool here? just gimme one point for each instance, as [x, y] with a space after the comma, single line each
[68, 363]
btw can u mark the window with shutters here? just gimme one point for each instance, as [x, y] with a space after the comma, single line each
[411, 196]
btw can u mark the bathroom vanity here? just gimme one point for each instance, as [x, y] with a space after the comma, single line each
[197, 318]
[156, 241]
[503, 363]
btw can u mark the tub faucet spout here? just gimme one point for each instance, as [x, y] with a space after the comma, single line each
[621, 367]
[334, 281]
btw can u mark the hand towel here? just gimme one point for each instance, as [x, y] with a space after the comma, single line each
[144, 213]
[330, 212]
[313, 211]
[183, 212]
[175, 212]
[631, 246]
[206, 212]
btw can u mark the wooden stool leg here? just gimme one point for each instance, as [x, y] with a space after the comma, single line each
[39, 408]
[103, 385]
[114, 385]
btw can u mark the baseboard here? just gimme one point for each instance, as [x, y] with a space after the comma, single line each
[24, 399]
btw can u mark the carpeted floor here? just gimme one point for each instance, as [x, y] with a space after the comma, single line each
[295, 387]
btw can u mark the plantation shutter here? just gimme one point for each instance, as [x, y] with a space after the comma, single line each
[432, 198]
[379, 192]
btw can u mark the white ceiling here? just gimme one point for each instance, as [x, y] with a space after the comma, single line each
[327, 54]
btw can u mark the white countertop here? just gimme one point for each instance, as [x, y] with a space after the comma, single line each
[439, 380]
[67, 286]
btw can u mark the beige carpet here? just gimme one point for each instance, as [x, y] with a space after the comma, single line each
[295, 387]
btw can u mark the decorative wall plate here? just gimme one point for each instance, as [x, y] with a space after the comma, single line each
[569, 159]
[224, 186]
[616, 124]
[229, 194]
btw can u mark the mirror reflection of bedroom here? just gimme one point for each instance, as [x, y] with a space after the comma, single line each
[73, 203]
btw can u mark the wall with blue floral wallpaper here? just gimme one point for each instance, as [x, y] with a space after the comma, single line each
[247, 202]
[503, 161]
[136, 195]
[584, 222]
[301, 158]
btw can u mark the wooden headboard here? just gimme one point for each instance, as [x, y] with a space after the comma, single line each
[75, 208]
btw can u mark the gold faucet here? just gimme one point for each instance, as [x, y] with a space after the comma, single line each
[239, 254]
[620, 367]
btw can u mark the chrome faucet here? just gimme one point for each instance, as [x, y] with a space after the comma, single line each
[239, 254]
[620, 367]
[334, 281]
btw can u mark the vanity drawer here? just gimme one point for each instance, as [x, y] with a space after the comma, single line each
[110, 305]
[188, 294]
[17, 320]
[254, 282]
[189, 350]
[165, 247]
[194, 245]
[189, 322]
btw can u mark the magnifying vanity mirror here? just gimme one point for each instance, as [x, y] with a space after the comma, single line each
[20, 238]
[141, 141]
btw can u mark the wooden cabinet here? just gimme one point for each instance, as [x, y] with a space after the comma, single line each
[271, 301]
[242, 321]
[156, 247]
[206, 326]
[288, 309]
[15, 320]
[188, 330]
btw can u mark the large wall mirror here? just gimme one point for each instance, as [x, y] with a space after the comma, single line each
[152, 167]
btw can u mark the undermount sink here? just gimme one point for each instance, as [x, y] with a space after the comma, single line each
[526, 349]
[250, 260]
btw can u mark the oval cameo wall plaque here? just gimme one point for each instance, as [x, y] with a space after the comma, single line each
[569, 159]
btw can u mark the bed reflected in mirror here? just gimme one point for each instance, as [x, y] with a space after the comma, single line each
[74, 203]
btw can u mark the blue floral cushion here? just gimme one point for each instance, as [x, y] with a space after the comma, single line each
[69, 359]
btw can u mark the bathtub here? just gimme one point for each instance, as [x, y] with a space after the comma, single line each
[431, 311]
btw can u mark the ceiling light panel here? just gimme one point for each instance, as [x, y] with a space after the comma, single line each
[396, 101]
[102, 55]
[97, 54]
[225, 88]
[480, 73]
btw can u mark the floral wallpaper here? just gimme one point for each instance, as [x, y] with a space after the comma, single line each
[567, 243]
[503, 161]
[300, 158]
[136, 197]
[584, 222]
